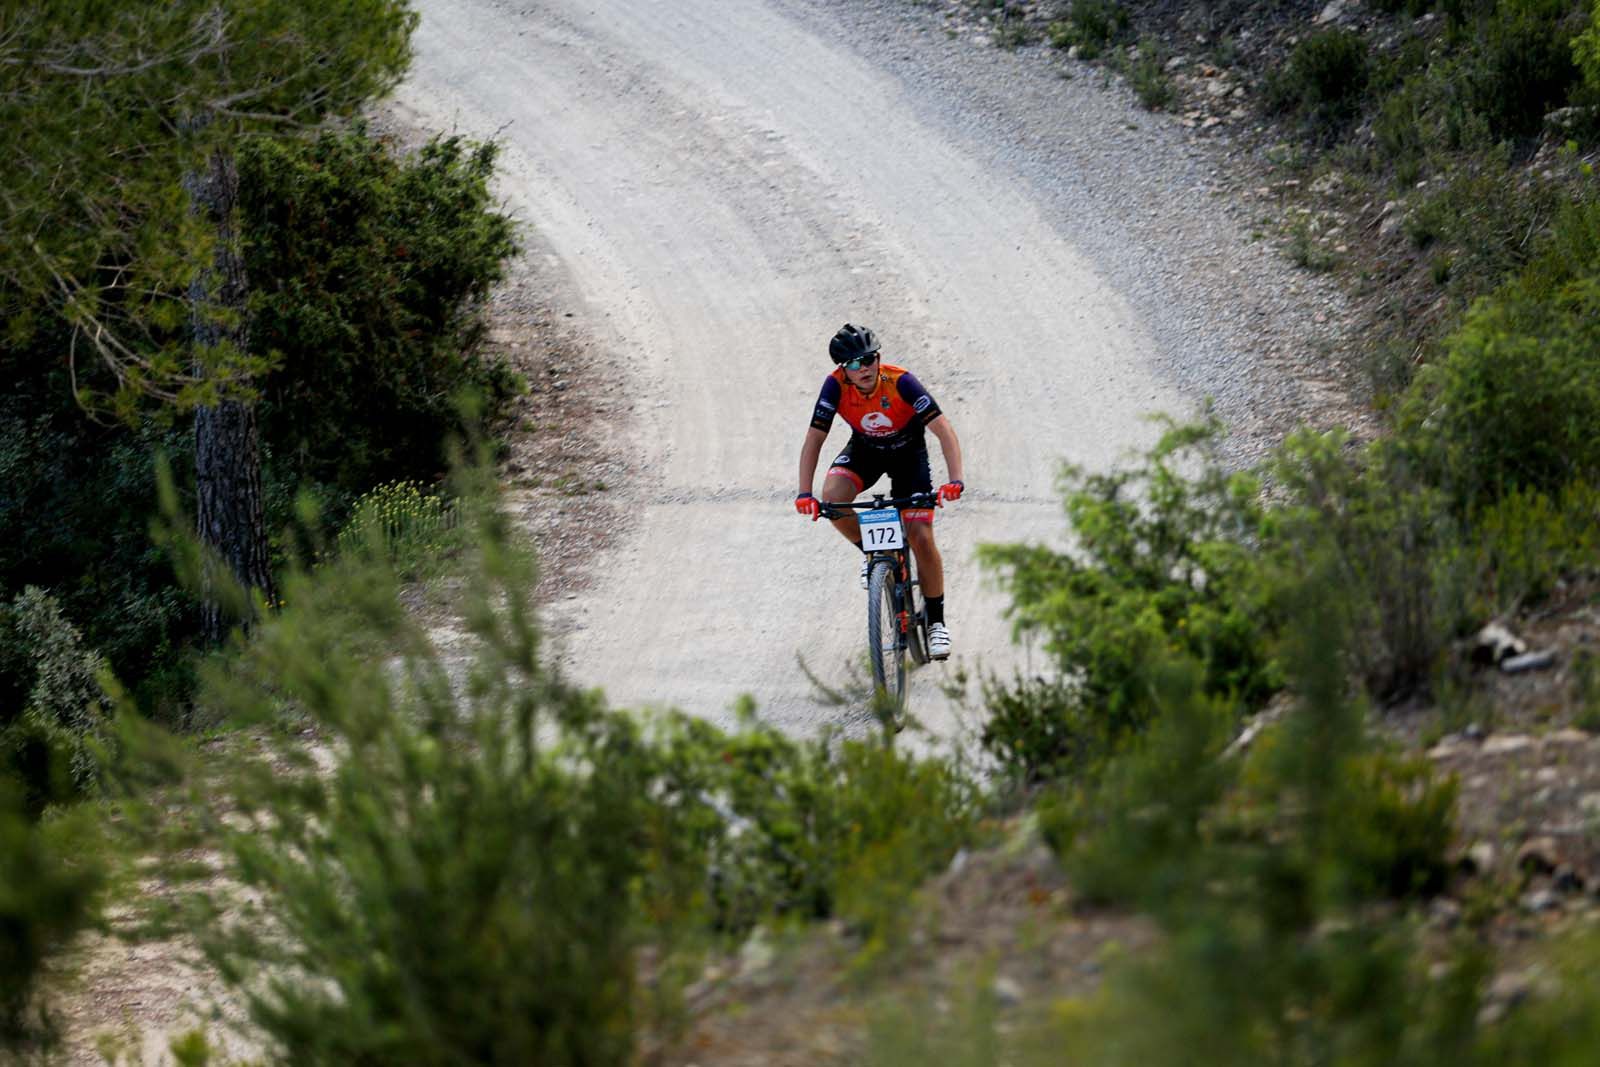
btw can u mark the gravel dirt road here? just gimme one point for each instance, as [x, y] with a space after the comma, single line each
[718, 185]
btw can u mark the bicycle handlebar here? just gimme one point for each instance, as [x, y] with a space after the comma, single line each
[915, 500]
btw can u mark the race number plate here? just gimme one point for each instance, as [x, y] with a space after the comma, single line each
[881, 530]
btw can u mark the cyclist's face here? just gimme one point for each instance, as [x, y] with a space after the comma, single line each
[865, 378]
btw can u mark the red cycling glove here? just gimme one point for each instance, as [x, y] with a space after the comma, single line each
[951, 491]
[806, 504]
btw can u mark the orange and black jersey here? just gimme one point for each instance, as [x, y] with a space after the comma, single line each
[892, 416]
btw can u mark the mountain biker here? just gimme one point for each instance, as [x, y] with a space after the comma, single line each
[888, 410]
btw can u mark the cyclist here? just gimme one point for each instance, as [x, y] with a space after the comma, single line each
[888, 410]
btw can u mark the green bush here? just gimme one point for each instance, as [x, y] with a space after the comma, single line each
[49, 744]
[1395, 543]
[1163, 563]
[1324, 81]
[1514, 403]
[403, 522]
[369, 272]
[1091, 26]
[1586, 50]
[74, 519]
[1528, 539]
[1523, 65]
[1148, 76]
[1262, 871]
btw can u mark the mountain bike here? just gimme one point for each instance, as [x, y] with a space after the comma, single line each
[897, 625]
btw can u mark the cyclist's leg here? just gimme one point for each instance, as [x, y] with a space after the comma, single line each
[852, 471]
[910, 474]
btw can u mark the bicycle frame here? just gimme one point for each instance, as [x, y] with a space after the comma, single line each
[903, 561]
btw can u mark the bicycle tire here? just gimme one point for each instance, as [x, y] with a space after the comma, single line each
[884, 644]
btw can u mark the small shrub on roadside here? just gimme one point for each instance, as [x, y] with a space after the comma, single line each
[1324, 81]
[1091, 26]
[404, 523]
[1148, 76]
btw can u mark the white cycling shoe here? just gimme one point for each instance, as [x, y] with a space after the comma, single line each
[938, 641]
[866, 565]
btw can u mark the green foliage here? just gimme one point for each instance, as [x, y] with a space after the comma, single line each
[1091, 26]
[462, 866]
[1528, 539]
[369, 273]
[104, 108]
[1394, 542]
[1586, 50]
[1515, 401]
[1324, 81]
[49, 746]
[1148, 76]
[75, 514]
[1162, 564]
[402, 522]
[1262, 871]
[53, 873]
[1523, 65]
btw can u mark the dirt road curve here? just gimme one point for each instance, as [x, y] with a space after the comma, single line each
[724, 182]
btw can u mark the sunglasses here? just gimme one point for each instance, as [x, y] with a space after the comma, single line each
[858, 363]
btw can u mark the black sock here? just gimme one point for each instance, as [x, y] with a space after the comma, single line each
[935, 609]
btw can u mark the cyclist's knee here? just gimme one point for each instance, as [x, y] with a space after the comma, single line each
[837, 489]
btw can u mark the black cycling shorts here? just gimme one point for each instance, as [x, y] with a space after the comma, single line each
[907, 469]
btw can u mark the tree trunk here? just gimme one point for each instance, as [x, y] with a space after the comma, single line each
[227, 453]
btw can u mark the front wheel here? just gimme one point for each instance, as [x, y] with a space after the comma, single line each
[886, 644]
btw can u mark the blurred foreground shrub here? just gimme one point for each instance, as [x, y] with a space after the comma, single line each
[50, 875]
[458, 860]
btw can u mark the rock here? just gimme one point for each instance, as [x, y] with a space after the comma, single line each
[958, 862]
[1218, 87]
[1538, 855]
[1566, 880]
[1531, 661]
[1540, 900]
[1505, 744]
[1567, 736]
[1388, 209]
[1478, 858]
[1494, 643]
[1072, 53]
[1177, 63]
[1389, 226]
[1443, 913]
[1473, 732]
[1331, 13]
[1589, 805]
[1007, 993]
[757, 953]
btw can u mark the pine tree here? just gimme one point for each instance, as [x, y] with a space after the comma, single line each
[118, 126]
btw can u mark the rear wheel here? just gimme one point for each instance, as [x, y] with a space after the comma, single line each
[885, 643]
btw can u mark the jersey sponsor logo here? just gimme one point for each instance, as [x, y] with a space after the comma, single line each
[922, 403]
[824, 404]
[876, 422]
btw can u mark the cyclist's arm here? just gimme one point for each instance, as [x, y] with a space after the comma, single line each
[941, 428]
[810, 451]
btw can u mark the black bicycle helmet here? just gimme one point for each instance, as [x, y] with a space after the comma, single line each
[852, 342]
